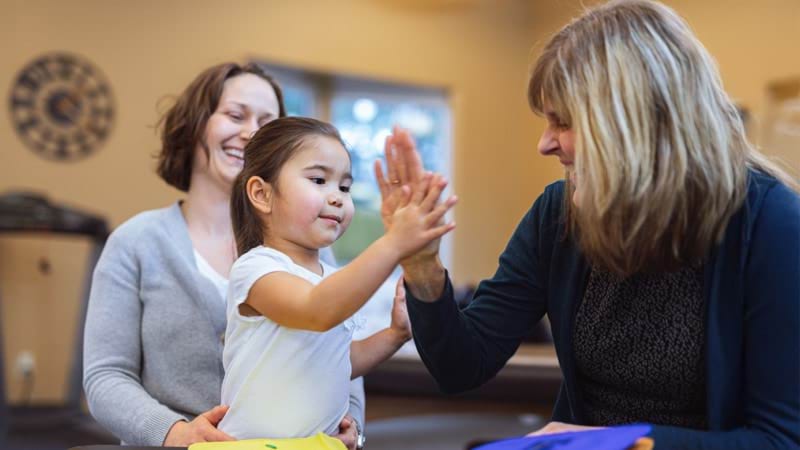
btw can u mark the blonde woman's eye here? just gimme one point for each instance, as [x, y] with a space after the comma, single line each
[235, 116]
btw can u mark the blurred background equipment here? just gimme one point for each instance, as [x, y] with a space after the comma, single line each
[27, 423]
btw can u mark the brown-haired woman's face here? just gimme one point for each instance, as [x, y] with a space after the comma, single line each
[247, 103]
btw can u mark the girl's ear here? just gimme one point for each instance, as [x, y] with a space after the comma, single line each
[259, 192]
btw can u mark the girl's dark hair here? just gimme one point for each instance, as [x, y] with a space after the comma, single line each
[183, 125]
[264, 156]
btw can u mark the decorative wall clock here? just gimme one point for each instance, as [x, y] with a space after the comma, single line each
[61, 107]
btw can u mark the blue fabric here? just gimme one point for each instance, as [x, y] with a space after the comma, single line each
[614, 438]
[752, 294]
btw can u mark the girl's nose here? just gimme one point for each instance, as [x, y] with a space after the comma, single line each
[335, 199]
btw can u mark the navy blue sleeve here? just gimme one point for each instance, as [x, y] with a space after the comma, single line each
[771, 339]
[464, 349]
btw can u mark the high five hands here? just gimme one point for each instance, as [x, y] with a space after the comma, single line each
[406, 182]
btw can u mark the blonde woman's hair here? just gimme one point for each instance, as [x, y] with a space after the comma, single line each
[660, 150]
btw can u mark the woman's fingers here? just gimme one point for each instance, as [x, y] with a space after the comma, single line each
[407, 152]
[383, 185]
[391, 162]
[399, 159]
[347, 432]
[213, 434]
[208, 424]
[560, 427]
[215, 414]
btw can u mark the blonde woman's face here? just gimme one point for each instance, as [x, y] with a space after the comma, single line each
[558, 140]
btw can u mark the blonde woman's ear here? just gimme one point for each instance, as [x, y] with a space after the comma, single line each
[259, 192]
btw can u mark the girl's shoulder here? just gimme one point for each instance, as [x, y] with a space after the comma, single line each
[266, 259]
[260, 256]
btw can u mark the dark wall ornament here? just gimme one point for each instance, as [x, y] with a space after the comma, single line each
[61, 107]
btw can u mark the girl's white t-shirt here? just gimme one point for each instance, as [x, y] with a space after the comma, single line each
[281, 382]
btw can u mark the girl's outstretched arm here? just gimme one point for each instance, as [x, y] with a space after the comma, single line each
[293, 302]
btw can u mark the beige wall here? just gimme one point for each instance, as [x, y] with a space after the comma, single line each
[478, 49]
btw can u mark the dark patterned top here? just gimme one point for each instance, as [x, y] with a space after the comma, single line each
[639, 349]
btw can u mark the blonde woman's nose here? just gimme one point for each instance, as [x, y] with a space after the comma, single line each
[547, 143]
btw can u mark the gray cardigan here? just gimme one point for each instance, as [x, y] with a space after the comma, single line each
[152, 342]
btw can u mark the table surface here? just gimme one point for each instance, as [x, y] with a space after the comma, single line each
[528, 355]
[537, 360]
[531, 375]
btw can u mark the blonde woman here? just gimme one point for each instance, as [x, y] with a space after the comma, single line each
[668, 262]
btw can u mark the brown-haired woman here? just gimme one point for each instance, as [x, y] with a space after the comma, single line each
[668, 263]
[153, 347]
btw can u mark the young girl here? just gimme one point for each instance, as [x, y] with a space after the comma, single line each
[288, 356]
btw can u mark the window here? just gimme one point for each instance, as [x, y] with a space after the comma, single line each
[364, 111]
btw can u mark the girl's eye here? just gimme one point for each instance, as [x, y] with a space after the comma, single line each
[344, 189]
[317, 180]
[235, 115]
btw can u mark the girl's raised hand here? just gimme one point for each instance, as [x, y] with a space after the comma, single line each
[403, 168]
[418, 219]
[400, 323]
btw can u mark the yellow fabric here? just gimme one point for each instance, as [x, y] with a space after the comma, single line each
[319, 441]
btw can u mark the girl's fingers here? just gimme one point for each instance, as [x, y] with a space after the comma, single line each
[437, 232]
[405, 196]
[435, 217]
[437, 185]
[421, 188]
[400, 289]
